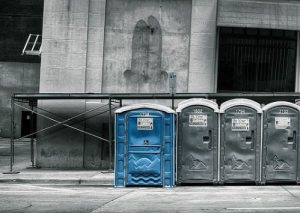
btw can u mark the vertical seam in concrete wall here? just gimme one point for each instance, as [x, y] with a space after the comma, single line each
[188, 79]
[103, 46]
[87, 45]
[44, 24]
[216, 60]
[189, 49]
[85, 77]
[215, 88]
[297, 86]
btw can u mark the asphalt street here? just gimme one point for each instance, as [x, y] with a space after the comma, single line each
[59, 198]
[35, 197]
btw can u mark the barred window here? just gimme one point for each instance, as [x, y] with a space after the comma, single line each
[256, 60]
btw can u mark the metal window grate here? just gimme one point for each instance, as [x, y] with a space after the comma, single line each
[256, 60]
[33, 45]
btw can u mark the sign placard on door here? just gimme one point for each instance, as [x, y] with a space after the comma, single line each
[198, 120]
[282, 122]
[240, 124]
[145, 123]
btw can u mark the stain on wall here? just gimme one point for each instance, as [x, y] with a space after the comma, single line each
[146, 74]
[144, 40]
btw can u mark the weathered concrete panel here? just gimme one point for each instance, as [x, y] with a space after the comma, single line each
[197, 79]
[272, 14]
[297, 83]
[15, 78]
[64, 32]
[203, 46]
[95, 150]
[60, 147]
[63, 69]
[173, 17]
[73, 38]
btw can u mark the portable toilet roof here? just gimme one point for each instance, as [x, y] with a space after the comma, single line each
[280, 103]
[240, 101]
[197, 101]
[145, 105]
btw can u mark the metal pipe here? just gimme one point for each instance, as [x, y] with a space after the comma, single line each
[173, 107]
[31, 138]
[110, 135]
[24, 49]
[12, 134]
[219, 147]
[12, 138]
[38, 96]
[36, 38]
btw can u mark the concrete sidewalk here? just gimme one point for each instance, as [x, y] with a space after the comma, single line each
[44, 176]
[67, 177]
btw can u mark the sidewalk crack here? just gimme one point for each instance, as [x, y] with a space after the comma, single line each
[110, 201]
[294, 196]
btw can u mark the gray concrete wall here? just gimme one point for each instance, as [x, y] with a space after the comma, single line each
[144, 70]
[128, 46]
[274, 14]
[202, 62]
[297, 82]
[63, 68]
[71, 62]
[15, 78]
[73, 40]
[103, 46]
[63, 62]
[95, 43]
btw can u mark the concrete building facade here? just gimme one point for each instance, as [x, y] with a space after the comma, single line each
[116, 46]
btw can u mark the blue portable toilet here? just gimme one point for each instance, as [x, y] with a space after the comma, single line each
[145, 135]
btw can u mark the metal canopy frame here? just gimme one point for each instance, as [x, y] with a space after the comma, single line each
[32, 99]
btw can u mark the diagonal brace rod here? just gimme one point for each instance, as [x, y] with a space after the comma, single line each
[60, 123]
[79, 121]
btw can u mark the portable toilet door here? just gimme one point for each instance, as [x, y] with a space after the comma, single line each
[197, 141]
[281, 142]
[144, 146]
[240, 141]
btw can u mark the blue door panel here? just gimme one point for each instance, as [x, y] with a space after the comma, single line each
[144, 142]
[144, 169]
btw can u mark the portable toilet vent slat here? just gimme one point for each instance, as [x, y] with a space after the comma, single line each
[281, 142]
[240, 142]
[144, 135]
[197, 141]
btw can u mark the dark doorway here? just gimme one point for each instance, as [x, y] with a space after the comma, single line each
[28, 124]
[256, 60]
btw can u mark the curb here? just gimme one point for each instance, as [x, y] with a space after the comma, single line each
[77, 182]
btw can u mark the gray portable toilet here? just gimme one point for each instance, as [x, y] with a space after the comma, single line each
[197, 141]
[240, 141]
[280, 142]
